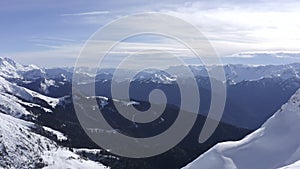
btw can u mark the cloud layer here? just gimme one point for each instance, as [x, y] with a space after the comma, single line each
[232, 27]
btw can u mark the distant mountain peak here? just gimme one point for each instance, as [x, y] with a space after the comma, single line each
[13, 70]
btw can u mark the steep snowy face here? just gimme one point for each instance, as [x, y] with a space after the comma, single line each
[12, 70]
[20, 147]
[8, 68]
[276, 144]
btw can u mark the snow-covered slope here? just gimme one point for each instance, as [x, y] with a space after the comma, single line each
[11, 69]
[276, 144]
[13, 98]
[42, 79]
[22, 143]
[7, 88]
[22, 148]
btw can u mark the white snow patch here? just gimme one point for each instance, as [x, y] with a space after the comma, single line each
[62, 159]
[60, 136]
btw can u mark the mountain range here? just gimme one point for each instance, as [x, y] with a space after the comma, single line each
[39, 127]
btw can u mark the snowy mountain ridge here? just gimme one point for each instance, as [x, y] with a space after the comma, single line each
[23, 89]
[20, 147]
[238, 72]
[20, 143]
[275, 145]
[11, 69]
[24, 93]
[235, 73]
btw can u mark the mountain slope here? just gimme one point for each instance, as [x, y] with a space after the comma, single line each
[43, 96]
[11, 69]
[276, 144]
[14, 98]
[20, 147]
[24, 143]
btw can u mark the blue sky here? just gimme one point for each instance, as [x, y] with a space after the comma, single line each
[51, 32]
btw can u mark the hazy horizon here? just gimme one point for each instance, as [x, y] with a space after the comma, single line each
[52, 34]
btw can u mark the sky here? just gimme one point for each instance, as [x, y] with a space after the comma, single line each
[51, 33]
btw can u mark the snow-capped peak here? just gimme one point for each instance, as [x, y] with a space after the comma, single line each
[155, 76]
[10, 69]
[276, 144]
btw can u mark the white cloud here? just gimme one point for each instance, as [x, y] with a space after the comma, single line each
[66, 54]
[237, 28]
[87, 13]
[51, 56]
[231, 28]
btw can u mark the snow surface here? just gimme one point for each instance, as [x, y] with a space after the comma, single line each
[13, 70]
[295, 165]
[25, 94]
[46, 84]
[62, 159]
[60, 136]
[20, 147]
[276, 144]
[8, 105]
